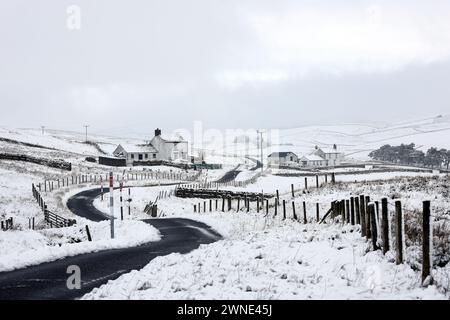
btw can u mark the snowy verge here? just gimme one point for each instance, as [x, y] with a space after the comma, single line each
[21, 249]
[276, 260]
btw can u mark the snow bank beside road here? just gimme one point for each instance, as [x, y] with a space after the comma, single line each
[21, 249]
[281, 261]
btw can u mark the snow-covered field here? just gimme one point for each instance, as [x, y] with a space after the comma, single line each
[268, 258]
[260, 257]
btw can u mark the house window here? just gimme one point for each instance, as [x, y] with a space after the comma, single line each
[292, 158]
[154, 156]
[132, 156]
[146, 156]
[140, 156]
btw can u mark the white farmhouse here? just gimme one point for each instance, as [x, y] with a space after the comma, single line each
[282, 158]
[331, 155]
[313, 161]
[159, 148]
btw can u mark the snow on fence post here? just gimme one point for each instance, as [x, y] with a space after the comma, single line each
[304, 213]
[426, 244]
[293, 211]
[284, 209]
[399, 233]
[362, 210]
[317, 212]
[204, 206]
[371, 209]
[385, 225]
[352, 210]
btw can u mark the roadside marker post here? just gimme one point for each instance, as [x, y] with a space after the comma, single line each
[111, 203]
[121, 201]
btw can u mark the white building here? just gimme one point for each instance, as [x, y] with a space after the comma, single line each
[159, 148]
[313, 161]
[331, 155]
[282, 158]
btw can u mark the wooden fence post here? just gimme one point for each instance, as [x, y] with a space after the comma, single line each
[238, 204]
[267, 207]
[276, 207]
[210, 205]
[333, 178]
[352, 210]
[292, 190]
[304, 213]
[347, 210]
[284, 209]
[362, 210]
[317, 212]
[306, 183]
[195, 208]
[385, 225]
[317, 181]
[373, 221]
[426, 227]
[88, 233]
[343, 210]
[223, 204]
[293, 211]
[368, 220]
[399, 233]
[357, 215]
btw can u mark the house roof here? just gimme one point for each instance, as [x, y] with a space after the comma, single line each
[328, 150]
[132, 148]
[281, 154]
[312, 157]
[171, 138]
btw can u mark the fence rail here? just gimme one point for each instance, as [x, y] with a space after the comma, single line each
[51, 218]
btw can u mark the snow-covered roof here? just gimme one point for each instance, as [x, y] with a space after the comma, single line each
[174, 138]
[281, 154]
[312, 157]
[132, 148]
[329, 150]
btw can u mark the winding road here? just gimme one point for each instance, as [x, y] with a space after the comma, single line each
[48, 280]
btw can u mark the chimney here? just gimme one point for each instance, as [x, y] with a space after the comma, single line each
[316, 147]
[157, 132]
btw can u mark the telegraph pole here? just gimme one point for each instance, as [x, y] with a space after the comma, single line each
[86, 127]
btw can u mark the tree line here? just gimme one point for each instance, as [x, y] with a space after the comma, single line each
[408, 154]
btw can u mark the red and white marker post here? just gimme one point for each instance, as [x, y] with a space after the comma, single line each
[111, 203]
[121, 201]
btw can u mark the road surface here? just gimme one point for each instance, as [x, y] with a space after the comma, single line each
[48, 280]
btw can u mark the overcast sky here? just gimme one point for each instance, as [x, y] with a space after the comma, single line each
[134, 65]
